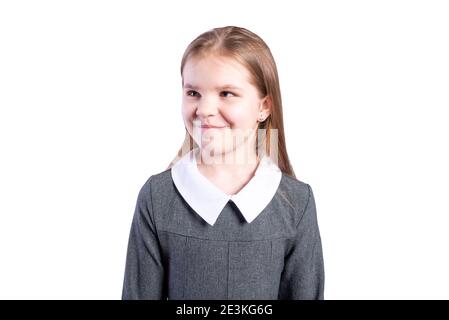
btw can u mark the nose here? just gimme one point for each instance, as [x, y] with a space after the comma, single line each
[206, 107]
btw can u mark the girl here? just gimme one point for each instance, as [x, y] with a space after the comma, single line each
[227, 219]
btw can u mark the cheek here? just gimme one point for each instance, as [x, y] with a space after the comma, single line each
[188, 114]
[188, 111]
[240, 116]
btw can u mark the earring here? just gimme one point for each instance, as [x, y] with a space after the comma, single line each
[260, 118]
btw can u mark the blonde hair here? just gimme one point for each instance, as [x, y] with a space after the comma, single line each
[251, 51]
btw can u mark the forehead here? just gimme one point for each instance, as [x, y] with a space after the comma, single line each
[215, 72]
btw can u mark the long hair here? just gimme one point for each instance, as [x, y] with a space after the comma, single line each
[251, 51]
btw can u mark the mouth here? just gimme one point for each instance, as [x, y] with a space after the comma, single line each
[212, 127]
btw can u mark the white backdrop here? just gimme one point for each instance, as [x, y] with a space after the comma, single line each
[90, 97]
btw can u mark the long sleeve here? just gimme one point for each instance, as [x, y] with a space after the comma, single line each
[144, 271]
[303, 274]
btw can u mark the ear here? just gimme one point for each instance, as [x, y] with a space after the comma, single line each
[265, 107]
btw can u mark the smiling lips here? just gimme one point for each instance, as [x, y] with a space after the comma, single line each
[205, 126]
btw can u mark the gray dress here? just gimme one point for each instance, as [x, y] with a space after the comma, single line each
[174, 254]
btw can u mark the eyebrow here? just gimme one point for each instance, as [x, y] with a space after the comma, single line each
[226, 86]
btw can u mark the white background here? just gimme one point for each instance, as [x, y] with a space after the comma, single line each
[90, 97]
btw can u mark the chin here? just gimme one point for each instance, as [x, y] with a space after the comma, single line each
[213, 150]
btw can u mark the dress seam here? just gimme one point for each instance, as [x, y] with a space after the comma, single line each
[222, 240]
[185, 273]
[227, 285]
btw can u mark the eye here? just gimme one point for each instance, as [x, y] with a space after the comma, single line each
[190, 92]
[224, 92]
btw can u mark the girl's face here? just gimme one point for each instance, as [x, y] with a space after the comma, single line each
[217, 92]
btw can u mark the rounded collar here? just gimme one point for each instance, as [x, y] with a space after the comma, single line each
[208, 201]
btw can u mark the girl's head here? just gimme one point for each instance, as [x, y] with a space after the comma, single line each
[230, 80]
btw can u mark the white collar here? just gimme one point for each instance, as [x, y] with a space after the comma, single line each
[208, 200]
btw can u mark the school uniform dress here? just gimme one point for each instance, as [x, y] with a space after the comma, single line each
[190, 240]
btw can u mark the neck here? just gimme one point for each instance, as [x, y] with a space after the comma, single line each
[237, 162]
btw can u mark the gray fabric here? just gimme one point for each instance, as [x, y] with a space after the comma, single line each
[174, 254]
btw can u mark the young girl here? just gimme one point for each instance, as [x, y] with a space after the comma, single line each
[227, 219]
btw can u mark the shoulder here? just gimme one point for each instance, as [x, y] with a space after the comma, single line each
[294, 185]
[297, 190]
[156, 194]
[157, 189]
[296, 194]
[157, 183]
